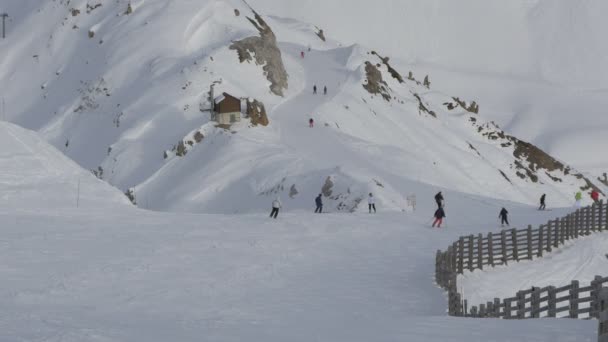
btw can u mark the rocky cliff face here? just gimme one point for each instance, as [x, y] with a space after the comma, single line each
[264, 51]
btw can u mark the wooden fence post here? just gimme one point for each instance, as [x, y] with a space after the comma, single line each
[606, 216]
[490, 249]
[549, 236]
[480, 252]
[540, 241]
[593, 217]
[588, 221]
[461, 255]
[438, 270]
[602, 331]
[503, 244]
[507, 304]
[573, 298]
[577, 222]
[535, 303]
[600, 225]
[552, 304]
[568, 225]
[470, 261]
[562, 231]
[596, 285]
[514, 242]
[556, 233]
[521, 305]
[529, 241]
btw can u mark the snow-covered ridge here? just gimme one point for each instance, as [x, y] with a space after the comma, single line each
[123, 91]
[36, 176]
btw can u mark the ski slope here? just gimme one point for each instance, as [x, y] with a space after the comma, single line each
[107, 271]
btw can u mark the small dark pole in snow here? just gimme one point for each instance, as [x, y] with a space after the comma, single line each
[78, 195]
[4, 16]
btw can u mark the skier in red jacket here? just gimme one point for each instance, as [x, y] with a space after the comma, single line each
[595, 196]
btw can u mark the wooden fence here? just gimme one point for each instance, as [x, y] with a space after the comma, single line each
[478, 251]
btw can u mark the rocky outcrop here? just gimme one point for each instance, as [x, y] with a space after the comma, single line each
[396, 75]
[374, 83]
[529, 160]
[264, 51]
[257, 113]
[472, 108]
[321, 34]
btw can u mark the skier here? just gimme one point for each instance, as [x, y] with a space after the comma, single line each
[595, 196]
[439, 200]
[319, 203]
[503, 217]
[302, 54]
[276, 205]
[314, 89]
[542, 202]
[311, 123]
[325, 90]
[578, 198]
[371, 202]
[439, 216]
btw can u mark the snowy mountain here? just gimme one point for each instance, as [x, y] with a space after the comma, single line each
[124, 89]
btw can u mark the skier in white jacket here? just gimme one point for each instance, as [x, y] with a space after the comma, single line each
[371, 202]
[276, 205]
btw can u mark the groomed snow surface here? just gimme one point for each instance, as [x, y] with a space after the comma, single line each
[109, 272]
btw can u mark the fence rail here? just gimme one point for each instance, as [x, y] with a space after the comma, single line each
[478, 251]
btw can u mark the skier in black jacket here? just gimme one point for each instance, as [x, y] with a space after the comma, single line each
[503, 217]
[439, 200]
[319, 203]
[542, 202]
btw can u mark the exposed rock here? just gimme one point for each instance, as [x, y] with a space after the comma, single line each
[375, 84]
[530, 160]
[326, 190]
[604, 180]
[91, 34]
[293, 192]
[91, 8]
[181, 150]
[391, 70]
[426, 82]
[321, 35]
[266, 53]
[198, 137]
[472, 108]
[75, 12]
[422, 107]
[257, 113]
[130, 193]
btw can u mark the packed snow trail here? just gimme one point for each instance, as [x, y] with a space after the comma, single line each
[135, 275]
[319, 68]
[109, 272]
